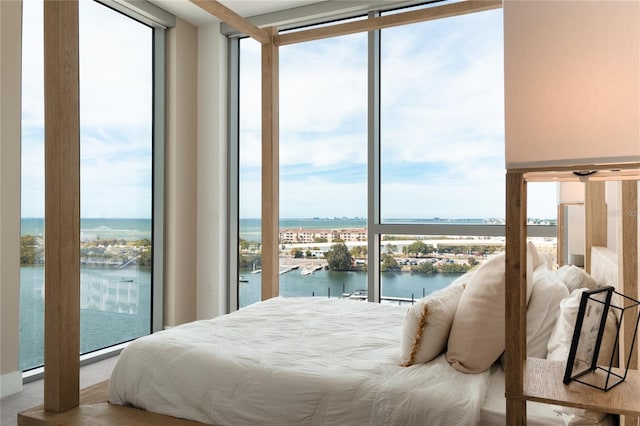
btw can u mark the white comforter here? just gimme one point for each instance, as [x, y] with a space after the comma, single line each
[294, 361]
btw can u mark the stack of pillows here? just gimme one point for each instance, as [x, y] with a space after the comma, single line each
[466, 320]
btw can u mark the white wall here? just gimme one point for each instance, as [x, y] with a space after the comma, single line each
[196, 173]
[181, 175]
[10, 134]
[212, 173]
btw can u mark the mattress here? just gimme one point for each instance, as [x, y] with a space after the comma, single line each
[294, 361]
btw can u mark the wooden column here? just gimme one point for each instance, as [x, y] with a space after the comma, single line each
[595, 219]
[628, 270]
[270, 169]
[628, 264]
[560, 235]
[62, 206]
[515, 297]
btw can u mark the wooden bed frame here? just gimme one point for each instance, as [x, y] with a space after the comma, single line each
[94, 409]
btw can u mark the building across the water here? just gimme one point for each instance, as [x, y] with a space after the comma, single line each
[301, 235]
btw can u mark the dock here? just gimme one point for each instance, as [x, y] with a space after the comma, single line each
[287, 268]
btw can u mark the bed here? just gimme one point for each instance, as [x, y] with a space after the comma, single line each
[317, 361]
[332, 361]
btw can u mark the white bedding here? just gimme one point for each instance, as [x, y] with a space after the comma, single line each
[302, 361]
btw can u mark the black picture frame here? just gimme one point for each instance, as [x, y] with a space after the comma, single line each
[587, 334]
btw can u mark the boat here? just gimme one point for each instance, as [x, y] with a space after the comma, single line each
[306, 271]
[359, 295]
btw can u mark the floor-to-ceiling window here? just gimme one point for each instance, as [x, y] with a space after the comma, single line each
[441, 148]
[116, 183]
[433, 158]
[249, 173]
[323, 166]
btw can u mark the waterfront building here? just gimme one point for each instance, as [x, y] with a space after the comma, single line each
[295, 236]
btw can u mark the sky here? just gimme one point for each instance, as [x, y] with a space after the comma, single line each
[442, 125]
[115, 114]
[442, 121]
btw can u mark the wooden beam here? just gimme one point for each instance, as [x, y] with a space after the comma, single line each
[62, 206]
[515, 297]
[628, 171]
[227, 15]
[628, 264]
[595, 217]
[270, 170]
[562, 244]
[628, 276]
[387, 21]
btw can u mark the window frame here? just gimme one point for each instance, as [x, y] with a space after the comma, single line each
[375, 227]
[159, 21]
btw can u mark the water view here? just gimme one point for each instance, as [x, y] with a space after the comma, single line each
[115, 285]
[115, 306]
[116, 279]
[323, 283]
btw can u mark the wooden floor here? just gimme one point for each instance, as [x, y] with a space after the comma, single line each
[95, 410]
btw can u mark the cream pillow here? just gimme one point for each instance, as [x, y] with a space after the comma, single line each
[476, 339]
[426, 326]
[477, 336]
[575, 278]
[543, 310]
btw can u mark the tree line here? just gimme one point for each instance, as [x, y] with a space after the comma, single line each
[32, 250]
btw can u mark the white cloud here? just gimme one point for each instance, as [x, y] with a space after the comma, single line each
[325, 199]
[115, 113]
[32, 65]
[441, 199]
[115, 68]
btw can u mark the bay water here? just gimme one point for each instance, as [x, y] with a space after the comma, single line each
[323, 283]
[116, 303]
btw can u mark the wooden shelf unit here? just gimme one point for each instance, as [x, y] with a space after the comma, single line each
[543, 383]
[541, 380]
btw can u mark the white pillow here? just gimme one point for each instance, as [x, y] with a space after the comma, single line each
[560, 343]
[549, 259]
[575, 278]
[560, 339]
[536, 259]
[426, 326]
[543, 310]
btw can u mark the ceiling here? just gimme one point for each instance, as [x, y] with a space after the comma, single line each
[245, 8]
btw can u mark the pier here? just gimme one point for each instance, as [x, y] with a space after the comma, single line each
[286, 268]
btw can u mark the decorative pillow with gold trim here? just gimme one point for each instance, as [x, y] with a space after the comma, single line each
[426, 327]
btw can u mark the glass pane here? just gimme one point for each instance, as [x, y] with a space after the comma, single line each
[413, 266]
[116, 95]
[323, 164]
[32, 189]
[250, 173]
[442, 132]
[116, 190]
[323, 170]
